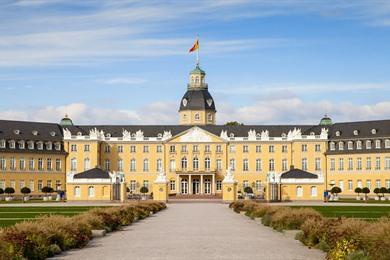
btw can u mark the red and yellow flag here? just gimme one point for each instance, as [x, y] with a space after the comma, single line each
[195, 47]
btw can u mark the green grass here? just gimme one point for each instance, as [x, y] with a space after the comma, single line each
[361, 201]
[11, 215]
[351, 211]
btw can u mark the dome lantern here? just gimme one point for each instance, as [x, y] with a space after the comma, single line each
[66, 121]
[326, 121]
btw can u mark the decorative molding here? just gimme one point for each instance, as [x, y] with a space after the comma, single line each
[252, 135]
[195, 134]
[224, 135]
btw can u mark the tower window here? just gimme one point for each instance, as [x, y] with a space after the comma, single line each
[197, 116]
[210, 116]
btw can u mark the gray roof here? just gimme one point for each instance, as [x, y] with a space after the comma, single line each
[364, 129]
[44, 131]
[298, 174]
[95, 173]
[197, 100]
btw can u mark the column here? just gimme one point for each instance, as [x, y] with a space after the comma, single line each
[213, 185]
[190, 184]
[201, 184]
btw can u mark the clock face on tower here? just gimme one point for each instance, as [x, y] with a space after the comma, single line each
[184, 102]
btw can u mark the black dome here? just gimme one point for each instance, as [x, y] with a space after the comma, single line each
[197, 99]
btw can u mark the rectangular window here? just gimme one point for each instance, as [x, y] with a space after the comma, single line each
[132, 165]
[245, 165]
[378, 184]
[232, 164]
[86, 148]
[120, 148]
[245, 149]
[132, 149]
[73, 148]
[350, 185]
[12, 163]
[368, 184]
[58, 185]
[271, 165]
[49, 183]
[258, 148]
[3, 165]
[258, 165]
[22, 164]
[22, 184]
[259, 186]
[31, 164]
[284, 165]
[184, 148]
[360, 183]
[318, 148]
[49, 165]
[207, 148]
[318, 164]
[341, 184]
[107, 148]
[368, 163]
[146, 183]
[332, 164]
[40, 164]
[218, 163]
[195, 148]
[159, 149]
[146, 149]
[2, 184]
[120, 165]
[58, 165]
[232, 149]
[12, 184]
[107, 165]
[40, 185]
[304, 164]
[146, 165]
[133, 186]
[350, 164]
[218, 149]
[271, 149]
[219, 185]
[387, 163]
[377, 163]
[172, 185]
[304, 148]
[378, 144]
[172, 149]
[284, 149]
[245, 183]
[332, 146]
[341, 164]
[359, 164]
[172, 165]
[387, 183]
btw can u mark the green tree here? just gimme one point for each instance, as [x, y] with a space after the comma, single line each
[25, 190]
[358, 190]
[233, 123]
[144, 190]
[335, 190]
[383, 190]
[248, 190]
[9, 191]
[366, 191]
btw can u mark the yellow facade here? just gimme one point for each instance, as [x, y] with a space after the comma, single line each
[90, 191]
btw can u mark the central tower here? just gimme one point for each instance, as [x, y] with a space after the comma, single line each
[197, 105]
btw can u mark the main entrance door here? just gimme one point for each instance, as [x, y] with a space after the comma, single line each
[184, 187]
[195, 186]
[207, 186]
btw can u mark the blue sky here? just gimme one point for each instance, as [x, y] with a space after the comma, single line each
[127, 62]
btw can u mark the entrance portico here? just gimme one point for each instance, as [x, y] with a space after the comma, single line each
[197, 183]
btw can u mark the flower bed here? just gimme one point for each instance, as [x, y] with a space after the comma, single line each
[51, 235]
[342, 238]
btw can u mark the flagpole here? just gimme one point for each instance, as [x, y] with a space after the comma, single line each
[197, 51]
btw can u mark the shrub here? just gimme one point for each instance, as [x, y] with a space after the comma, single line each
[25, 190]
[335, 190]
[9, 191]
[46, 190]
[289, 218]
[358, 190]
[383, 190]
[366, 190]
[1, 191]
[377, 191]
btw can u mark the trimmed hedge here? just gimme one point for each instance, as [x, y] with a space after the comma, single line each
[39, 239]
[342, 238]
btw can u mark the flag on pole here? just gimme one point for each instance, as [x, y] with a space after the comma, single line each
[195, 47]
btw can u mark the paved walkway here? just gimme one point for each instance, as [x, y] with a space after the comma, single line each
[195, 231]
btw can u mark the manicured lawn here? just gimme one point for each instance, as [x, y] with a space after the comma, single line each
[351, 211]
[12, 215]
[371, 201]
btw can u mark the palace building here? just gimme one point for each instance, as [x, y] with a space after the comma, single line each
[288, 162]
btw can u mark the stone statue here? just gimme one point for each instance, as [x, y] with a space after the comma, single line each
[161, 177]
[229, 175]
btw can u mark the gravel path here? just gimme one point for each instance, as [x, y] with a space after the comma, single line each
[195, 231]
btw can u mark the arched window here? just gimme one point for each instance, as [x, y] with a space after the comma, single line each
[87, 164]
[73, 164]
[76, 191]
[387, 143]
[368, 144]
[299, 191]
[313, 191]
[184, 163]
[91, 191]
[197, 116]
[195, 164]
[210, 117]
[377, 144]
[207, 164]
[146, 165]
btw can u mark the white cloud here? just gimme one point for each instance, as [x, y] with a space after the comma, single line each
[287, 110]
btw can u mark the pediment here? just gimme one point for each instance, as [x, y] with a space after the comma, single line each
[196, 135]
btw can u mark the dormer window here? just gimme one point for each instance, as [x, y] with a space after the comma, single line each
[373, 131]
[49, 146]
[21, 144]
[332, 146]
[2, 143]
[57, 146]
[231, 135]
[31, 145]
[108, 135]
[17, 131]
[338, 133]
[197, 116]
[387, 143]
[312, 133]
[52, 133]
[34, 132]
[368, 144]
[12, 144]
[341, 146]
[359, 145]
[355, 132]
[378, 144]
[40, 146]
[350, 145]
[79, 134]
[284, 135]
